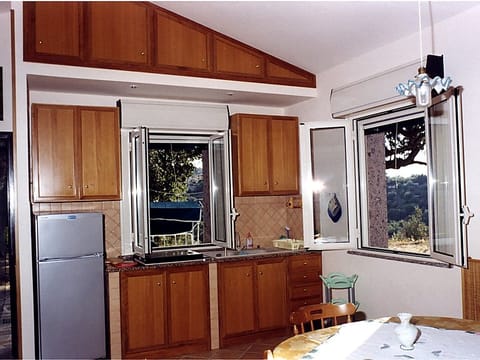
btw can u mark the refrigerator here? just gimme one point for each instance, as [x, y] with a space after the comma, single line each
[70, 286]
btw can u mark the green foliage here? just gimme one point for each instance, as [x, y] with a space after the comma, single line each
[413, 228]
[169, 171]
[406, 194]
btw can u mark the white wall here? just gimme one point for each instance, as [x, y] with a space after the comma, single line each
[386, 287]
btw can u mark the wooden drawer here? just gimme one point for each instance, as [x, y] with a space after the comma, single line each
[304, 277]
[295, 304]
[299, 292]
[302, 263]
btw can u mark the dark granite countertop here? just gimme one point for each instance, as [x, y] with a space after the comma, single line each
[127, 263]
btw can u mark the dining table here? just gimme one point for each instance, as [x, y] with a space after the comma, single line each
[439, 338]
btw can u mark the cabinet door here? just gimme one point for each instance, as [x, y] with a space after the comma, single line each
[272, 294]
[100, 138]
[236, 298]
[54, 28]
[189, 306]
[143, 311]
[54, 175]
[181, 44]
[118, 32]
[252, 164]
[236, 59]
[284, 156]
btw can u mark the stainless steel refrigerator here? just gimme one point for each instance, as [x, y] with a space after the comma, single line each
[70, 286]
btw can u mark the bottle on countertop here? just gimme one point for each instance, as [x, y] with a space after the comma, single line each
[249, 240]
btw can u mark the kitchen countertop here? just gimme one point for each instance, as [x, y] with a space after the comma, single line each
[210, 256]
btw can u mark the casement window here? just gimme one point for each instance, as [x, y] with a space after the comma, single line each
[397, 187]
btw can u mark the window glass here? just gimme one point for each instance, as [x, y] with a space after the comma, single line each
[394, 168]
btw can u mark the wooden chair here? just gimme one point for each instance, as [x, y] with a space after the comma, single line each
[323, 315]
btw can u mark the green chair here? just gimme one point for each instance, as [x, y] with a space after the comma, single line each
[339, 281]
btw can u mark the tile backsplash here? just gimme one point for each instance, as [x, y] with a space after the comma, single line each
[111, 210]
[266, 217]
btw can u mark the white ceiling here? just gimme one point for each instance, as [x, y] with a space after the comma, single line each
[315, 35]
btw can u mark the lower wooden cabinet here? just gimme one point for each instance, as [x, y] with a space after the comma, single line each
[165, 311]
[252, 298]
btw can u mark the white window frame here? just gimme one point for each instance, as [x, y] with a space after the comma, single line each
[356, 187]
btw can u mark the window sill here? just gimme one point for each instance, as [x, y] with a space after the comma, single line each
[402, 258]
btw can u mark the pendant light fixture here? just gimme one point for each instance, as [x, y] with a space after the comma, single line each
[423, 85]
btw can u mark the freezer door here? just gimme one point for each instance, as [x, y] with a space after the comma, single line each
[71, 308]
[69, 235]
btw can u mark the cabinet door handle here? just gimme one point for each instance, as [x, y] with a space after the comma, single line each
[257, 66]
[159, 284]
[40, 42]
[304, 290]
[261, 272]
[142, 53]
[85, 186]
[248, 274]
[305, 263]
[70, 186]
[305, 276]
[276, 182]
[174, 282]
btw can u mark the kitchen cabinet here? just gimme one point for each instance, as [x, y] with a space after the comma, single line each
[165, 311]
[252, 298]
[234, 58]
[304, 283]
[75, 153]
[141, 36]
[118, 32]
[181, 44]
[53, 30]
[265, 155]
[143, 296]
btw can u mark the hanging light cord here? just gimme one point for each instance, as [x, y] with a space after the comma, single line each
[420, 32]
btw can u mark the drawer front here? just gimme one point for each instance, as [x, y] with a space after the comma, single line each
[295, 304]
[305, 263]
[299, 292]
[303, 277]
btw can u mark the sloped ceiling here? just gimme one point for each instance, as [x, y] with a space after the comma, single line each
[316, 35]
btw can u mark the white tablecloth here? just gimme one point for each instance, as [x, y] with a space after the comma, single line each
[377, 340]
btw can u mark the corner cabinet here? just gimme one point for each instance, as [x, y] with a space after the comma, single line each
[75, 153]
[252, 298]
[165, 312]
[265, 155]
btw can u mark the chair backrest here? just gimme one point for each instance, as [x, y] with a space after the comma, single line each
[319, 316]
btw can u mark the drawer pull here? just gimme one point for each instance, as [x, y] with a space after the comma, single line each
[305, 276]
[305, 263]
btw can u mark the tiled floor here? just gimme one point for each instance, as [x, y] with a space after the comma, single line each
[252, 351]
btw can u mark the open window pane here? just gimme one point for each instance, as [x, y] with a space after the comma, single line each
[446, 186]
[328, 187]
[393, 176]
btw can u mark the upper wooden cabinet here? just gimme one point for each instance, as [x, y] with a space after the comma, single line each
[141, 36]
[53, 30]
[118, 32]
[265, 155]
[234, 58]
[75, 153]
[180, 44]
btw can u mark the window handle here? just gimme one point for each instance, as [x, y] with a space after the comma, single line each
[467, 214]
